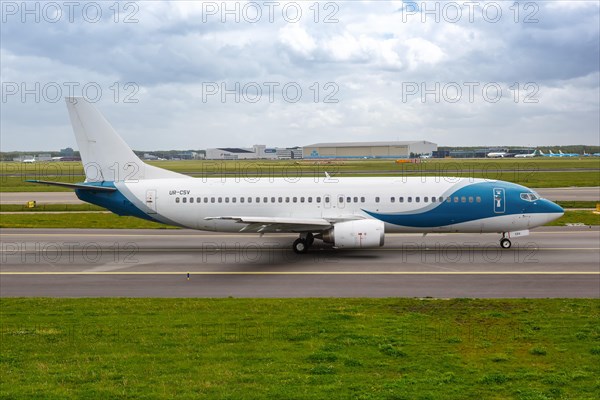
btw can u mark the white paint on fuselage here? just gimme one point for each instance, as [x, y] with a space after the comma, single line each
[192, 215]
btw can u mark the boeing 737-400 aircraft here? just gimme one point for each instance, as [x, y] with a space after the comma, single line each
[345, 212]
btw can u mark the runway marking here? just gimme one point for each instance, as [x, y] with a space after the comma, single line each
[301, 273]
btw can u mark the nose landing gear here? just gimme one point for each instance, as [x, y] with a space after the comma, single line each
[505, 242]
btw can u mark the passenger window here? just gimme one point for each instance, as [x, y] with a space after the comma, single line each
[212, 199]
[258, 199]
[272, 199]
[301, 199]
[287, 199]
[376, 199]
[191, 199]
[326, 199]
[470, 199]
[362, 199]
[401, 199]
[233, 199]
[206, 200]
[280, 200]
[392, 199]
[220, 200]
[318, 199]
[356, 199]
[409, 199]
[176, 199]
[184, 200]
[310, 199]
[478, 199]
[417, 199]
[433, 199]
[340, 200]
[198, 200]
[242, 199]
[226, 199]
[295, 199]
[249, 199]
[456, 199]
[463, 199]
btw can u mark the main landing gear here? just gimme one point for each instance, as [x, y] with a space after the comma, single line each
[505, 242]
[303, 243]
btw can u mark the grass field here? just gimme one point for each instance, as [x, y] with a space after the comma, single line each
[532, 173]
[300, 349]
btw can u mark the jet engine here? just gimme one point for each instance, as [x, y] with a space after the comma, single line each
[356, 234]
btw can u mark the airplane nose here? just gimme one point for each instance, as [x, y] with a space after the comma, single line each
[553, 208]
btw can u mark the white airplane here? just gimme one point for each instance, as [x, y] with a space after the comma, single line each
[346, 212]
[529, 155]
[29, 160]
[497, 154]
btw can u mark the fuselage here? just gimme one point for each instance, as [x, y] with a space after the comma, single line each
[413, 204]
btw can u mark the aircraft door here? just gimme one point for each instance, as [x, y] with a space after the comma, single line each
[151, 200]
[499, 201]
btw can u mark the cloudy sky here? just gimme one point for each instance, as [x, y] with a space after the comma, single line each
[192, 75]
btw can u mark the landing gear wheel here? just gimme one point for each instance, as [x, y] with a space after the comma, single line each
[505, 243]
[300, 246]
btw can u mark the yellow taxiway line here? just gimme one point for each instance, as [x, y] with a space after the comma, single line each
[301, 273]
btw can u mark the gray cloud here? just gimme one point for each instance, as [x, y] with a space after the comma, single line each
[370, 55]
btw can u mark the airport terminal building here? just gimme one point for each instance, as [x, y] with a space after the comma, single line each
[397, 149]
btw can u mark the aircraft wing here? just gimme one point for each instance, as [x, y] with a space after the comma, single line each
[282, 224]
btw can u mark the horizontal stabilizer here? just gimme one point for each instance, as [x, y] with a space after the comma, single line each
[80, 186]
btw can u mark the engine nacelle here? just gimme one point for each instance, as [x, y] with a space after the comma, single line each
[356, 234]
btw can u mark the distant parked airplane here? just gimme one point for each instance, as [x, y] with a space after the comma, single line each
[549, 155]
[29, 160]
[497, 154]
[568, 154]
[530, 155]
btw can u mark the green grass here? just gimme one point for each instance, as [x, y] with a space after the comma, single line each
[112, 221]
[577, 204]
[76, 220]
[299, 348]
[50, 208]
[533, 173]
[577, 217]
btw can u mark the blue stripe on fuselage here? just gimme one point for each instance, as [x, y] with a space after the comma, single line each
[113, 201]
[449, 213]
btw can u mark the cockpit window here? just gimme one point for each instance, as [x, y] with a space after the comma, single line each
[530, 196]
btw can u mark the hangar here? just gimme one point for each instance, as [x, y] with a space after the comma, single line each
[397, 149]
